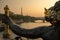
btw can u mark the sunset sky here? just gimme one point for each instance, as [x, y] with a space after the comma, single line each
[30, 7]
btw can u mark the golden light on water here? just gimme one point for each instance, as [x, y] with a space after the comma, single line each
[30, 7]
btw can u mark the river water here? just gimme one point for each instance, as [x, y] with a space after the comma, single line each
[29, 25]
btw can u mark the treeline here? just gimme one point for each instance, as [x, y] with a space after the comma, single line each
[18, 17]
[1, 16]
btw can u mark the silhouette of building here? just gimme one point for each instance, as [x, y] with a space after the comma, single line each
[21, 12]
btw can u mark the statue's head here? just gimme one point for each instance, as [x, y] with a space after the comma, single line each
[50, 16]
[6, 6]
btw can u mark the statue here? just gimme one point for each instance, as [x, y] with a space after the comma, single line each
[47, 33]
[7, 30]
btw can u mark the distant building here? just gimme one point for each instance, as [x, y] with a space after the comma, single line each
[21, 12]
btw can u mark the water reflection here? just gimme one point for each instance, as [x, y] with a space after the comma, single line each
[31, 25]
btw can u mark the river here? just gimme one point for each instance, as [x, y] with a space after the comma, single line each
[29, 25]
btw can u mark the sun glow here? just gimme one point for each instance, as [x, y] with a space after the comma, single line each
[30, 7]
